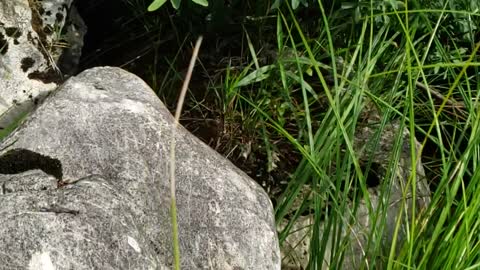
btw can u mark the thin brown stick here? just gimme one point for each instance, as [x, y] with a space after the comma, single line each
[456, 105]
[438, 95]
[178, 111]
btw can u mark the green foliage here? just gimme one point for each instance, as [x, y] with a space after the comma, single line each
[156, 4]
[294, 3]
[295, 90]
[383, 55]
[12, 126]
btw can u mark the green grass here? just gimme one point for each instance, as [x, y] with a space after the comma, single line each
[12, 126]
[292, 89]
[295, 94]
[401, 49]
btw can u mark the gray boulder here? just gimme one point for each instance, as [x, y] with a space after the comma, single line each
[85, 186]
[39, 42]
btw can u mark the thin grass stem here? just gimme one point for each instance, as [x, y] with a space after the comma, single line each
[178, 111]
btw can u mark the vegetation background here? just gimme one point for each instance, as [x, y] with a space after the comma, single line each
[280, 87]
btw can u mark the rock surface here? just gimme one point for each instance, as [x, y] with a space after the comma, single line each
[35, 38]
[85, 186]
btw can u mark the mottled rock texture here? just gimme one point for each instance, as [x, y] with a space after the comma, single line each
[85, 186]
[37, 40]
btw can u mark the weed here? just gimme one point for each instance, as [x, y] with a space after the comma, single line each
[285, 91]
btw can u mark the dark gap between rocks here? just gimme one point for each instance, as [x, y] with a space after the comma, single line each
[105, 20]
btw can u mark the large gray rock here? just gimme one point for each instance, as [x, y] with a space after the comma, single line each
[85, 186]
[36, 41]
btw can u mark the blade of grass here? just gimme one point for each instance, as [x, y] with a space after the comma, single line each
[178, 111]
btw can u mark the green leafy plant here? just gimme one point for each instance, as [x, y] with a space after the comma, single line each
[294, 3]
[156, 4]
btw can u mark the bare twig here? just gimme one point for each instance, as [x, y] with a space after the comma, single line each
[452, 102]
[181, 99]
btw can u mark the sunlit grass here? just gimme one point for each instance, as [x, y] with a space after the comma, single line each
[415, 64]
[329, 160]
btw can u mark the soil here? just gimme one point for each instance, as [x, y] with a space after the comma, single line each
[121, 41]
